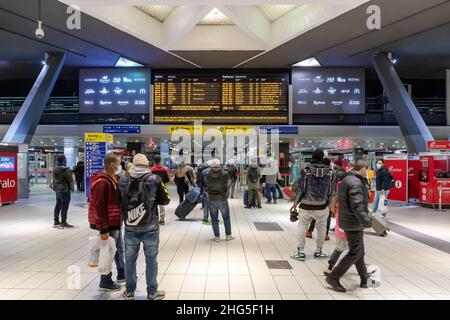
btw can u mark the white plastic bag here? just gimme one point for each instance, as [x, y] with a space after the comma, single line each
[106, 257]
[94, 251]
[382, 206]
[374, 272]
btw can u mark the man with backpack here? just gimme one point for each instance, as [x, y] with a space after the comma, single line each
[63, 184]
[105, 215]
[316, 190]
[233, 173]
[162, 172]
[384, 180]
[141, 193]
[253, 178]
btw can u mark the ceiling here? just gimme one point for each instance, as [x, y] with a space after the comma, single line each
[254, 34]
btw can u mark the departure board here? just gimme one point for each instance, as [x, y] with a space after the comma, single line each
[220, 98]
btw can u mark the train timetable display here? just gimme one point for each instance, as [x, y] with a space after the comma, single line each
[219, 98]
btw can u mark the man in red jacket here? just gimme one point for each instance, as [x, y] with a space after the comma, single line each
[105, 215]
[162, 172]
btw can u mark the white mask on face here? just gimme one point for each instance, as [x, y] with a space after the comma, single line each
[119, 170]
[379, 165]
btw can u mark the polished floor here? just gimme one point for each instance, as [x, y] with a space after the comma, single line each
[37, 261]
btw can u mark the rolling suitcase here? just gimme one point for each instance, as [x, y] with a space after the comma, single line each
[379, 225]
[184, 209]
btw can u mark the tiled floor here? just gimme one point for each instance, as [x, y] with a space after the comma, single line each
[40, 262]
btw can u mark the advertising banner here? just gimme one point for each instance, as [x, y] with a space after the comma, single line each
[398, 166]
[8, 177]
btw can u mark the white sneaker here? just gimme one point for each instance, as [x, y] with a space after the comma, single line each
[230, 237]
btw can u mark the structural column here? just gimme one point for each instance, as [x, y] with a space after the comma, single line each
[412, 126]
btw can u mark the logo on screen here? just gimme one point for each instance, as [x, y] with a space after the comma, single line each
[302, 91]
[318, 79]
[127, 80]
[117, 90]
[105, 103]
[342, 80]
[123, 103]
[332, 90]
[354, 80]
[318, 91]
[105, 79]
[116, 79]
[104, 91]
[7, 164]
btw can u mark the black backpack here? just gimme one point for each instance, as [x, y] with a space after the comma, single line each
[135, 203]
[253, 175]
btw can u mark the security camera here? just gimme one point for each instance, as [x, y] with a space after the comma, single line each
[39, 31]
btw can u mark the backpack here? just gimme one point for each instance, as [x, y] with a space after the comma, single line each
[312, 184]
[253, 175]
[135, 202]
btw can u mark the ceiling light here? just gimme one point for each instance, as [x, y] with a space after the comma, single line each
[124, 62]
[39, 33]
[311, 62]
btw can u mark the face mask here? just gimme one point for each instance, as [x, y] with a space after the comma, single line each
[118, 170]
[379, 165]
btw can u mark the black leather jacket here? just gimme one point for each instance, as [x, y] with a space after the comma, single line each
[353, 203]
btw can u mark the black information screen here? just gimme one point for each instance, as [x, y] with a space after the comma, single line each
[115, 90]
[328, 91]
[220, 98]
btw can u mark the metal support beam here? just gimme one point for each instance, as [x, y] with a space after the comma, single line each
[412, 126]
[27, 119]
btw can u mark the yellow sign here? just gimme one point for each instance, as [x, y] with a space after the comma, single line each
[210, 129]
[98, 137]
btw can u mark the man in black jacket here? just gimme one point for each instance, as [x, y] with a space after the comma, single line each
[354, 217]
[62, 185]
[383, 184]
[217, 180]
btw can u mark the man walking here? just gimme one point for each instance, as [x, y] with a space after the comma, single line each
[353, 218]
[316, 190]
[141, 193]
[105, 215]
[162, 172]
[62, 185]
[217, 187]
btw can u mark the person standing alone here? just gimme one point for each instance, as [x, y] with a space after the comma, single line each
[78, 171]
[253, 178]
[162, 172]
[62, 185]
[233, 173]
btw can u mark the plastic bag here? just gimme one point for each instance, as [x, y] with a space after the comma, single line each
[106, 256]
[382, 205]
[94, 251]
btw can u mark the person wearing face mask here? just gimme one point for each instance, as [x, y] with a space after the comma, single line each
[354, 217]
[105, 215]
[383, 183]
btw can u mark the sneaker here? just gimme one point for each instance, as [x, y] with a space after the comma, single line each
[335, 284]
[247, 207]
[66, 225]
[319, 254]
[259, 207]
[159, 295]
[368, 283]
[327, 238]
[109, 286]
[217, 239]
[308, 234]
[56, 224]
[128, 295]
[299, 255]
[230, 237]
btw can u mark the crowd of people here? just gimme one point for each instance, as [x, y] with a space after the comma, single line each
[134, 201]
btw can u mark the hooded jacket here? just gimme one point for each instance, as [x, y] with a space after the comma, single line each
[353, 203]
[250, 184]
[217, 184]
[104, 209]
[317, 187]
[145, 216]
[62, 179]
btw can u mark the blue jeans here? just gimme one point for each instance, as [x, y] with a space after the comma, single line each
[377, 199]
[133, 240]
[119, 257]
[271, 192]
[214, 208]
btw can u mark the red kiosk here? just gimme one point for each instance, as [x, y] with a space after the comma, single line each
[8, 177]
[434, 174]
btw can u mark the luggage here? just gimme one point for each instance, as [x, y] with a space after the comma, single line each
[379, 225]
[288, 192]
[246, 202]
[184, 209]
[194, 195]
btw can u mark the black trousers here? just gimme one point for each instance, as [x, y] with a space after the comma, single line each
[313, 224]
[62, 206]
[355, 256]
[182, 189]
[80, 185]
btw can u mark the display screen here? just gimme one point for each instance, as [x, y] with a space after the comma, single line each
[7, 164]
[220, 97]
[328, 91]
[114, 90]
